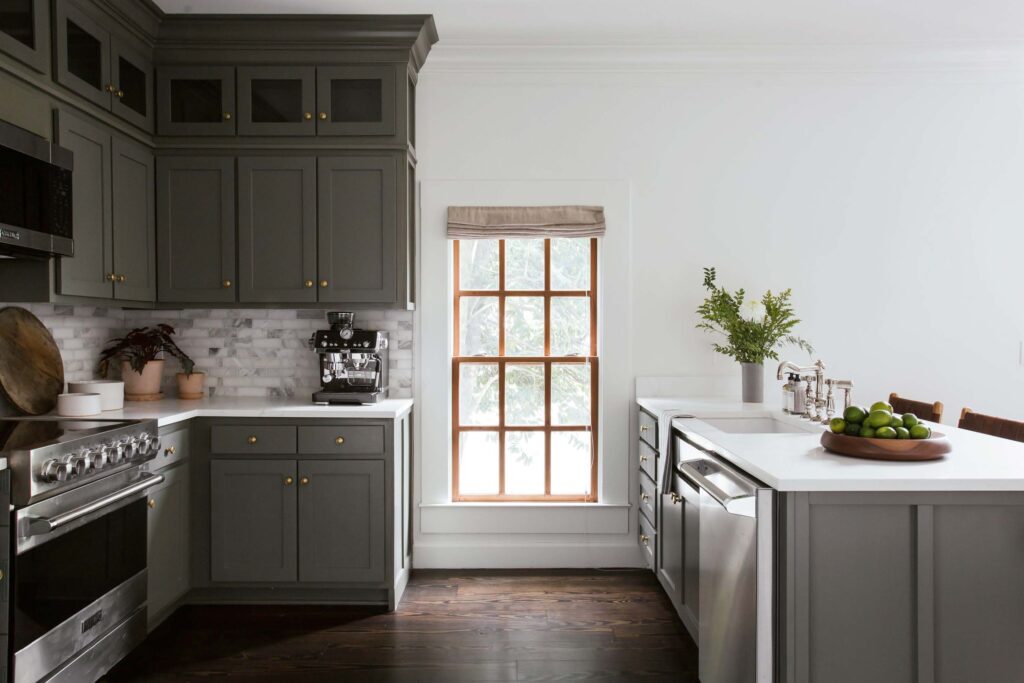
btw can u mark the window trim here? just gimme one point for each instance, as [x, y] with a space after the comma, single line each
[547, 360]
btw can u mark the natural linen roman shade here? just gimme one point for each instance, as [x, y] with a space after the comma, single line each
[504, 222]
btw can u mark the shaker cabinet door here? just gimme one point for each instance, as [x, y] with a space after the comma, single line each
[358, 229]
[23, 32]
[277, 229]
[134, 234]
[168, 541]
[196, 229]
[252, 520]
[89, 271]
[356, 100]
[82, 53]
[196, 100]
[132, 77]
[342, 520]
[276, 100]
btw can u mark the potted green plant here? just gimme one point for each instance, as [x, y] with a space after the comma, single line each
[141, 353]
[753, 328]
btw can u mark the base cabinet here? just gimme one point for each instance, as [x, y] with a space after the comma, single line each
[168, 542]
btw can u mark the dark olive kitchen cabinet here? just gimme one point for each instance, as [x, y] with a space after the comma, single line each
[196, 100]
[361, 241]
[341, 520]
[356, 100]
[23, 32]
[113, 212]
[253, 517]
[277, 229]
[196, 229]
[97, 62]
[168, 542]
[276, 100]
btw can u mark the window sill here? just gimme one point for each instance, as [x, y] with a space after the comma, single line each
[524, 518]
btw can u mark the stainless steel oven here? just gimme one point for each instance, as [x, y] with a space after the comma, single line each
[78, 566]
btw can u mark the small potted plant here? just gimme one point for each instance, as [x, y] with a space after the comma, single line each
[753, 328]
[141, 354]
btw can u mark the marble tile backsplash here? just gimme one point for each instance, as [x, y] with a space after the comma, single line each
[244, 352]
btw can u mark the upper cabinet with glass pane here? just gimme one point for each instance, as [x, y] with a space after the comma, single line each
[108, 70]
[196, 100]
[356, 100]
[23, 31]
[276, 100]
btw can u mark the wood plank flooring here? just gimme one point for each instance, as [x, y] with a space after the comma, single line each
[451, 626]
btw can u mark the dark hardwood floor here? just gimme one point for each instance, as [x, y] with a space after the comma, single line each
[451, 626]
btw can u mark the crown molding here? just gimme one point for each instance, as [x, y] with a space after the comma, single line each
[864, 58]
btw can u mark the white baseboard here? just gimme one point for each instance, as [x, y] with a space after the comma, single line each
[528, 556]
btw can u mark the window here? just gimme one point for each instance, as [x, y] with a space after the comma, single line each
[525, 370]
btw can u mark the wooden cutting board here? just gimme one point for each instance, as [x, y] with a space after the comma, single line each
[31, 370]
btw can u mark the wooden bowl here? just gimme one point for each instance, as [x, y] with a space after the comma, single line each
[933, 448]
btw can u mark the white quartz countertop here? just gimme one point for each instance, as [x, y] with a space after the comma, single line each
[797, 461]
[171, 410]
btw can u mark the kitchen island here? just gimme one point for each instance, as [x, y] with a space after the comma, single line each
[879, 571]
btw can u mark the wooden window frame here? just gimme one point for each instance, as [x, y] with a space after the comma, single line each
[547, 360]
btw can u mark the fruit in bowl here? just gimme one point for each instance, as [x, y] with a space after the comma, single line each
[879, 422]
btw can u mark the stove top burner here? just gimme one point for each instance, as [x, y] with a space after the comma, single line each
[26, 433]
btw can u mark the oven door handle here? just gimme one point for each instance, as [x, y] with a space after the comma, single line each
[38, 526]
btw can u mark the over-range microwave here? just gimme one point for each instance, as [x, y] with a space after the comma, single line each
[35, 195]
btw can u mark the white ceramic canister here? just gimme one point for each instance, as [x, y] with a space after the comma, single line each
[78, 405]
[111, 391]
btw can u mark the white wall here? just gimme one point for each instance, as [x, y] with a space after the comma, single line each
[889, 194]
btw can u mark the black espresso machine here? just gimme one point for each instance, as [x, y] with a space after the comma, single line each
[353, 363]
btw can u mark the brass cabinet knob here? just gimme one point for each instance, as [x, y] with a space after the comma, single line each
[110, 87]
[323, 116]
[643, 428]
[675, 497]
[288, 481]
[227, 116]
[308, 116]
[122, 278]
[120, 94]
[169, 450]
[251, 440]
[644, 538]
[323, 283]
[340, 440]
[151, 503]
[643, 458]
[112, 277]
[304, 481]
[309, 284]
[644, 497]
[226, 284]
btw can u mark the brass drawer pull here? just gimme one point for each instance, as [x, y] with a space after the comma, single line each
[226, 284]
[151, 504]
[227, 116]
[323, 283]
[308, 116]
[309, 284]
[340, 440]
[644, 538]
[323, 116]
[110, 87]
[112, 277]
[288, 481]
[169, 451]
[122, 278]
[251, 440]
[304, 481]
[120, 94]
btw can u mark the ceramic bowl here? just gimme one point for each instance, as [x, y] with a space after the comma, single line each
[111, 391]
[78, 405]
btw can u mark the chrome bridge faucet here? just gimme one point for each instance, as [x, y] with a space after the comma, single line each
[820, 402]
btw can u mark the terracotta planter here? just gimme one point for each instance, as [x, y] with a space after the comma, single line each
[144, 386]
[191, 386]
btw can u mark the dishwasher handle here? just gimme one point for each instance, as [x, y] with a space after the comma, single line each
[694, 476]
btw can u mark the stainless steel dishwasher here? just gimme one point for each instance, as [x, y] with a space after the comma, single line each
[737, 570]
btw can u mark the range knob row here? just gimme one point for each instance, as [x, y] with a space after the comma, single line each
[109, 455]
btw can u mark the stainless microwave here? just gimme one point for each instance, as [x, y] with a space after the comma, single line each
[35, 195]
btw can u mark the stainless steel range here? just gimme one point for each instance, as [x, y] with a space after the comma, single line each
[78, 555]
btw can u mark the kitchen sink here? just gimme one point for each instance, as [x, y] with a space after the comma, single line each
[759, 425]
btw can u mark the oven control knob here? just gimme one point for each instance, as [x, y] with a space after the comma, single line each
[129, 447]
[154, 445]
[79, 464]
[108, 456]
[54, 470]
[141, 447]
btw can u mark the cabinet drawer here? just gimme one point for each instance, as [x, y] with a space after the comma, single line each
[173, 449]
[342, 440]
[648, 461]
[646, 540]
[252, 439]
[649, 430]
[648, 495]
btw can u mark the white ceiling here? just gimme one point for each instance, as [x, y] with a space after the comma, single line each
[663, 22]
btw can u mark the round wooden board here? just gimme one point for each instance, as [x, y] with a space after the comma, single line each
[31, 370]
[900, 450]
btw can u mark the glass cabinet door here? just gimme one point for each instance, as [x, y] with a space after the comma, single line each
[276, 100]
[83, 55]
[22, 31]
[133, 78]
[355, 100]
[196, 100]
